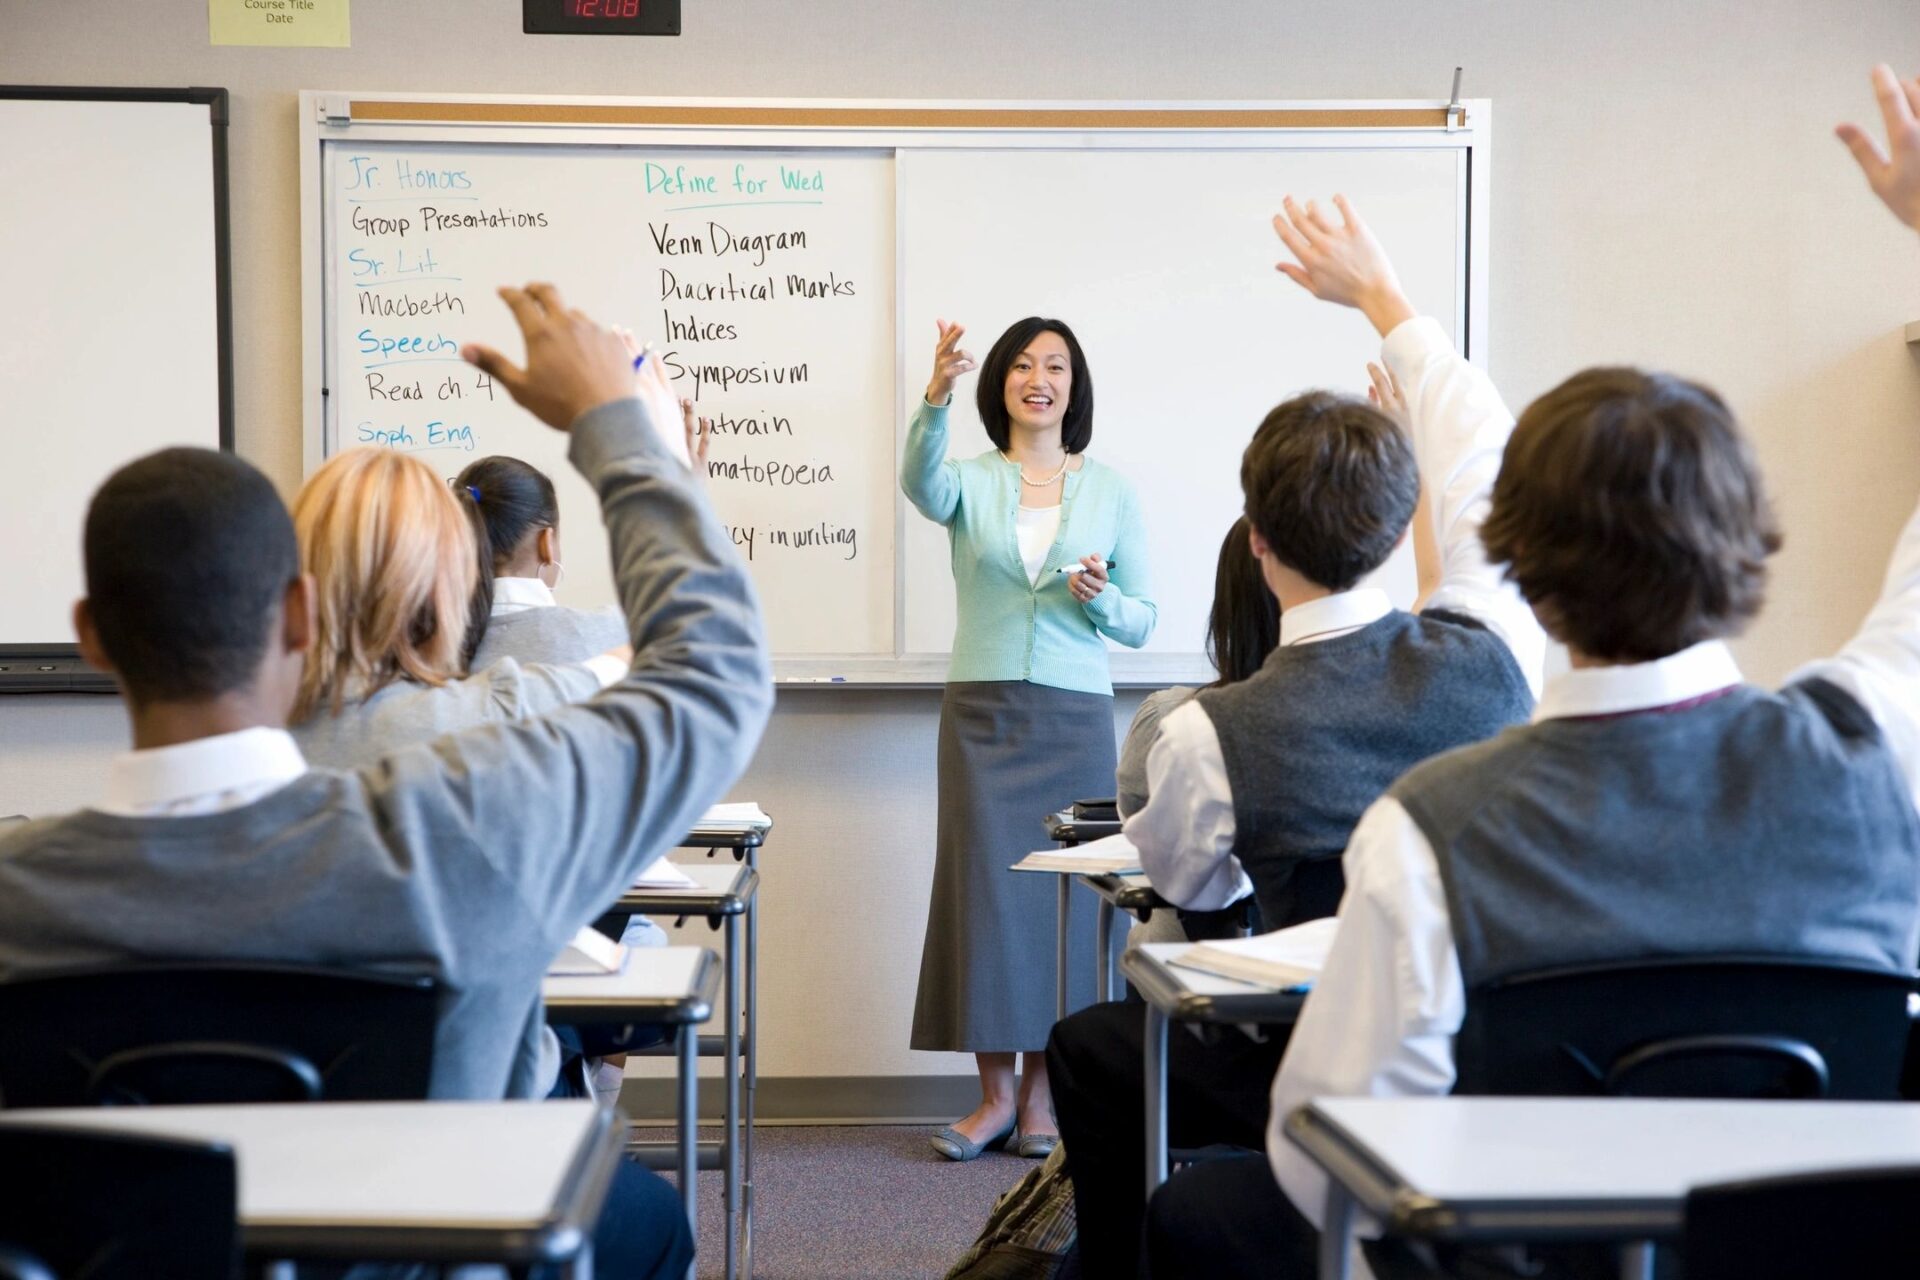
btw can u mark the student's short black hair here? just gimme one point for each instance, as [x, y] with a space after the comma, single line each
[1330, 483]
[990, 393]
[515, 498]
[188, 554]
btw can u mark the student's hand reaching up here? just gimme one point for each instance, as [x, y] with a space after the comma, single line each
[573, 364]
[1341, 262]
[1384, 392]
[1896, 178]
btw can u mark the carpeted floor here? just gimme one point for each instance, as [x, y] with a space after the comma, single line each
[855, 1203]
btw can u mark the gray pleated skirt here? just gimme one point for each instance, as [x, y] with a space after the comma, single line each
[1010, 753]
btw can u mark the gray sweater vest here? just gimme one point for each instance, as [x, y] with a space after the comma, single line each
[1755, 822]
[1323, 729]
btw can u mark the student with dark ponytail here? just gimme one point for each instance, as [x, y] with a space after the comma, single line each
[521, 515]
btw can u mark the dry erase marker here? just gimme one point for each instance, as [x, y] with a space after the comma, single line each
[1079, 568]
[642, 357]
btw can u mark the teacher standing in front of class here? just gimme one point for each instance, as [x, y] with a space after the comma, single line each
[1027, 721]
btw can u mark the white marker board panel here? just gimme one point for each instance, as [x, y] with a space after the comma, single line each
[1162, 264]
[112, 345]
[763, 280]
[788, 261]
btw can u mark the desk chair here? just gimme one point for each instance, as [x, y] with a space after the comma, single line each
[115, 1207]
[214, 1032]
[1730, 1026]
[1857, 1223]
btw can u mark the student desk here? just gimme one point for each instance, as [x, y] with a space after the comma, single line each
[1569, 1169]
[1204, 1002]
[1131, 893]
[1067, 831]
[725, 895]
[671, 985]
[511, 1183]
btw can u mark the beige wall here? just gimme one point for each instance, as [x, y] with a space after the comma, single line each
[1665, 191]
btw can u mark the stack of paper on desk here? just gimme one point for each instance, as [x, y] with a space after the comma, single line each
[590, 952]
[744, 816]
[1286, 959]
[661, 874]
[1096, 857]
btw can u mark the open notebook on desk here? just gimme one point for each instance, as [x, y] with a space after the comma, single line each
[590, 952]
[1107, 856]
[662, 874]
[1284, 960]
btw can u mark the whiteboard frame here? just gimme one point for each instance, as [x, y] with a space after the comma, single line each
[327, 117]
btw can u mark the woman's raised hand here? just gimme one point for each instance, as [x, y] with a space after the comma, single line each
[949, 362]
[1341, 262]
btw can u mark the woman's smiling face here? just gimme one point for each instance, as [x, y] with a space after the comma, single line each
[1039, 383]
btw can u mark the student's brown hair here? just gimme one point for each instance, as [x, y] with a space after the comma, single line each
[1631, 515]
[1330, 483]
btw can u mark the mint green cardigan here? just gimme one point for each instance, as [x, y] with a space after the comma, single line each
[1008, 628]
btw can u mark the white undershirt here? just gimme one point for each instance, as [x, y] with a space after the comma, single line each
[1036, 528]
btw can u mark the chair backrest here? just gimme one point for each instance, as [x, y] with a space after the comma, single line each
[1689, 1027]
[1853, 1223]
[110, 1206]
[214, 1032]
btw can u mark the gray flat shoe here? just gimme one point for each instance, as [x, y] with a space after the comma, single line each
[1036, 1146]
[956, 1146]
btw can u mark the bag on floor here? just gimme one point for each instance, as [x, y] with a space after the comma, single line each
[1030, 1231]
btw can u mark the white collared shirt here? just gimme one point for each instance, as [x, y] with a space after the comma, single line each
[207, 775]
[1460, 426]
[517, 595]
[1384, 1011]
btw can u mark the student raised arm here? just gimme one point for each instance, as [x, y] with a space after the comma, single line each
[1455, 415]
[1893, 174]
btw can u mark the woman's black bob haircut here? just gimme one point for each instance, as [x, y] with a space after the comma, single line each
[1076, 429]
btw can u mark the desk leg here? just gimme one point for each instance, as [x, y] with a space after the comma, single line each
[750, 1051]
[1156, 1084]
[688, 1121]
[581, 1265]
[730, 1143]
[1102, 951]
[1636, 1260]
[1060, 951]
[1336, 1234]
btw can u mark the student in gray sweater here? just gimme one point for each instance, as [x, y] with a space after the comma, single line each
[1658, 805]
[471, 859]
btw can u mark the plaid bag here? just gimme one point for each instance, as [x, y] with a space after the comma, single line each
[1030, 1231]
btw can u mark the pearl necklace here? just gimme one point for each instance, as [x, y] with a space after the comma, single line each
[1038, 484]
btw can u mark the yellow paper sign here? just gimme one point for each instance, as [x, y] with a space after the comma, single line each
[312, 23]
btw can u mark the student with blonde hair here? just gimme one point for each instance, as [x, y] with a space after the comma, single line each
[395, 561]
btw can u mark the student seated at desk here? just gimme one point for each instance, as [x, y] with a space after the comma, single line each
[394, 563]
[1259, 783]
[471, 859]
[1243, 626]
[1658, 805]
[520, 515]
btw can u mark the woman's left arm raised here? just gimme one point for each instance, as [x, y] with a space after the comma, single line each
[1122, 609]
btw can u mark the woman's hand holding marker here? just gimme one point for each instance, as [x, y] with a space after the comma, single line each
[1341, 263]
[949, 362]
[1087, 581]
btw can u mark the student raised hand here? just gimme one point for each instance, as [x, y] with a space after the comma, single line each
[1341, 262]
[699, 436]
[573, 364]
[949, 362]
[1894, 178]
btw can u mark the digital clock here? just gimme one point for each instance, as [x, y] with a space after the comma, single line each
[600, 17]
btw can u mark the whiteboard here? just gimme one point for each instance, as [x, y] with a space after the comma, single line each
[788, 261]
[114, 346]
[1162, 264]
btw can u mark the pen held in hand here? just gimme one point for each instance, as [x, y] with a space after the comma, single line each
[1080, 568]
